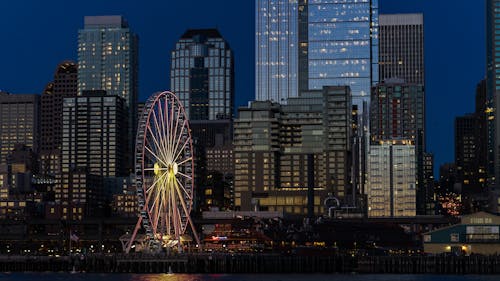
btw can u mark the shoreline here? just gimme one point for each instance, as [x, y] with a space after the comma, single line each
[221, 263]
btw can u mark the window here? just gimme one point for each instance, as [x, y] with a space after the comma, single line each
[454, 237]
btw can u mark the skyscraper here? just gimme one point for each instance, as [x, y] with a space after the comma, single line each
[63, 86]
[202, 76]
[276, 50]
[493, 91]
[401, 53]
[302, 45]
[19, 122]
[343, 46]
[108, 60]
[94, 151]
[397, 112]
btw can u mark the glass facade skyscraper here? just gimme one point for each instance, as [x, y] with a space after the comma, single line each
[202, 75]
[305, 45]
[276, 50]
[343, 45]
[108, 60]
[493, 89]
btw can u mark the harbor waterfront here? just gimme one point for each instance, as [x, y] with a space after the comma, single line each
[241, 277]
[216, 263]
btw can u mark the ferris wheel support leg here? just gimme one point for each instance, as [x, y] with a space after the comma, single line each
[134, 234]
[189, 219]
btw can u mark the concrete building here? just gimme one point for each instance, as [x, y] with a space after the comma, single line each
[108, 59]
[94, 154]
[19, 122]
[477, 233]
[290, 158]
[397, 112]
[401, 52]
[392, 180]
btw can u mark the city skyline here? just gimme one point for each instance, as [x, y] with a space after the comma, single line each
[442, 83]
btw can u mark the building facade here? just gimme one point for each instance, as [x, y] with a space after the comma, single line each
[401, 53]
[477, 233]
[305, 45]
[94, 152]
[202, 74]
[63, 86]
[291, 157]
[397, 112]
[108, 54]
[493, 92]
[392, 180]
[19, 122]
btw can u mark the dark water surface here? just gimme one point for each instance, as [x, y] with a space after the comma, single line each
[239, 277]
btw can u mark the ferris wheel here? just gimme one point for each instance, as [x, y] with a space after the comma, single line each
[164, 171]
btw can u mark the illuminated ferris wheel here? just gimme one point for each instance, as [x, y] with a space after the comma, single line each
[164, 171]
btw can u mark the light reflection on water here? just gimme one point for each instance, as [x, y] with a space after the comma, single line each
[239, 277]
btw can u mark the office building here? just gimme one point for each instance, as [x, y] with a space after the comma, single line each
[305, 45]
[19, 122]
[108, 53]
[392, 179]
[94, 151]
[202, 76]
[493, 92]
[401, 52]
[63, 86]
[292, 157]
[397, 112]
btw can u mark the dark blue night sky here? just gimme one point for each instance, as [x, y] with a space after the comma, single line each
[37, 35]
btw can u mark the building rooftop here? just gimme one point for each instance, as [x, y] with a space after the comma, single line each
[104, 21]
[210, 32]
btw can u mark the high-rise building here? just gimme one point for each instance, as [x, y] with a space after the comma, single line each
[305, 45]
[108, 60]
[392, 180]
[471, 160]
[19, 141]
[397, 112]
[19, 122]
[276, 50]
[292, 157]
[493, 92]
[401, 52]
[202, 76]
[63, 86]
[94, 151]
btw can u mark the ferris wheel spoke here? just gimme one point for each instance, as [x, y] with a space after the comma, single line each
[185, 160]
[158, 159]
[181, 150]
[155, 182]
[161, 124]
[179, 137]
[184, 189]
[184, 175]
[169, 117]
[172, 138]
[155, 141]
[161, 146]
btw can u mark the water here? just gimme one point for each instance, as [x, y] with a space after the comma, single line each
[240, 277]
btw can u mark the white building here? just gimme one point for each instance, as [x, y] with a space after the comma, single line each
[391, 180]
